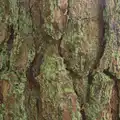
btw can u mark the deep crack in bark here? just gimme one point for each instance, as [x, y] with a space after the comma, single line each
[34, 69]
[90, 78]
[82, 111]
[18, 20]
[110, 75]
[32, 72]
[10, 43]
[59, 47]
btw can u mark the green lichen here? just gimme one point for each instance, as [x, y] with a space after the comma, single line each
[4, 58]
[18, 89]
[13, 18]
[50, 70]
[2, 111]
[50, 67]
[25, 24]
[19, 110]
[100, 94]
[68, 90]
[1, 12]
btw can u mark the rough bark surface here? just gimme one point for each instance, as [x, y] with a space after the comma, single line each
[59, 59]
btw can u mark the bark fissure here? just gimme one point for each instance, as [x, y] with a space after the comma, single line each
[18, 20]
[11, 37]
[90, 79]
[34, 69]
[10, 43]
[59, 47]
[32, 72]
[82, 111]
[110, 74]
[38, 102]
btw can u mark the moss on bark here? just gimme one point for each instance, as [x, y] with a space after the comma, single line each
[59, 60]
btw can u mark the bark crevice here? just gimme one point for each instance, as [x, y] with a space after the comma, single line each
[10, 43]
[90, 79]
[82, 111]
[34, 70]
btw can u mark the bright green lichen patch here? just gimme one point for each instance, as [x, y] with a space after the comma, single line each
[68, 90]
[50, 68]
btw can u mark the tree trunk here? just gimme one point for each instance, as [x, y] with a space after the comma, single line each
[59, 59]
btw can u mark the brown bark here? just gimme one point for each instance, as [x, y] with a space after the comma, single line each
[59, 60]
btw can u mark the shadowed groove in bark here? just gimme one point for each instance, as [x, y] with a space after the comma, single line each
[111, 76]
[10, 42]
[59, 47]
[31, 73]
[38, 106]
[18, 20]
[90, 78]
[82, 111]
[11, 37]
[34, 69]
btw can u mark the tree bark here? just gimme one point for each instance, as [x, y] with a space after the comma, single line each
[59, 60]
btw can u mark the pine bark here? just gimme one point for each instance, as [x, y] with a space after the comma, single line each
[59, 60]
